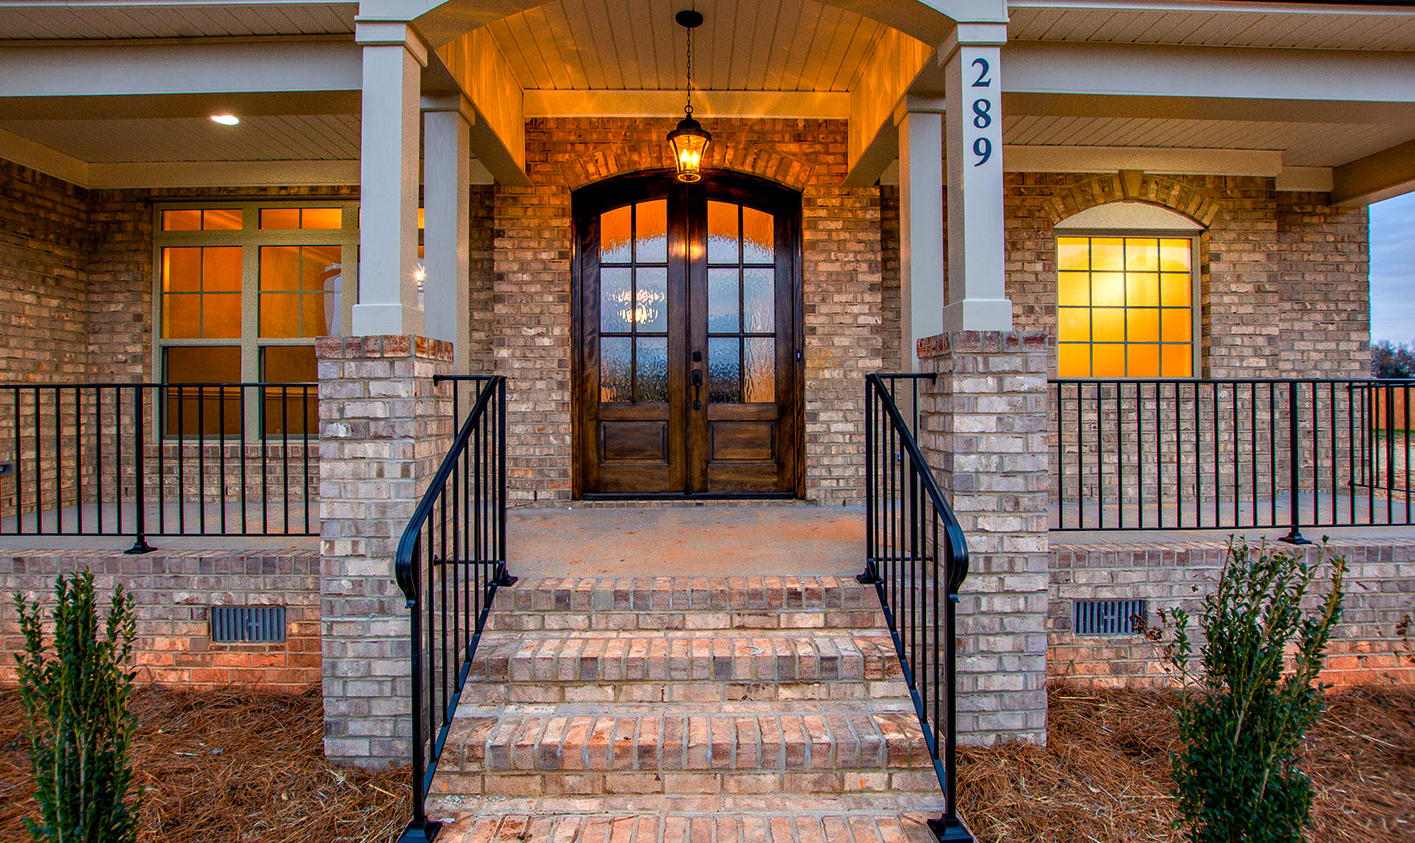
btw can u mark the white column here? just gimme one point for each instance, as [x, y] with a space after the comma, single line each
[920, 223]
[388, 207]
[447, 123]
[977, 296]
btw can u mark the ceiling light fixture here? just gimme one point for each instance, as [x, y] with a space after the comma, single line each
[690, 139]
[225, 119]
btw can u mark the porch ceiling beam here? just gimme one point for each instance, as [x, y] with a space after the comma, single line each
[475, 67]
[1208, 73]
[180, 69]
[707, 104]
[1390, 172]
[884, 80]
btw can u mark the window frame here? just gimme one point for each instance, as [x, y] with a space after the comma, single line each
[250, 238]
[1195, 304]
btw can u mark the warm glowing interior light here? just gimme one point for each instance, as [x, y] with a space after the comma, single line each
[638, 309]
[225, 119]
[419, 273]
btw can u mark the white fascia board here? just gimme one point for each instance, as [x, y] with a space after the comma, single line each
[190, 68]
[37, 156]
[1114, 70]
[223, 174]
[1111, 159]
[707, 104]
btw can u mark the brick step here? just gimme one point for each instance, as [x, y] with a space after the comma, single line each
[771, 657]
[685, 603]
[667, 750]
[491, 693]
[830, 824]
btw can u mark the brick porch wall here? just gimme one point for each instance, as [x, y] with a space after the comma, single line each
[173, 592]
[1177, 575]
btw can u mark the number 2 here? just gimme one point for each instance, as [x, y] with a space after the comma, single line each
[982, 81]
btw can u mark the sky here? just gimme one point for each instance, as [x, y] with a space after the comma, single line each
[1393, 269]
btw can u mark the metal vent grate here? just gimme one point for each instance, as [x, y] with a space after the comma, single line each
[247, 624]
[1109, 617]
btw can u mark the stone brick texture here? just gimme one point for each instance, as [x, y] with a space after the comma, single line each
[532, 252]
[173, 592]
[1366, 648]
[384, 428]
[983, 431]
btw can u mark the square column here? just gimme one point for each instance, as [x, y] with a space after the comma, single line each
[394, 57]
[383, 430]
[977, 290]
[983, 430]
[920, 221]
[447, 121]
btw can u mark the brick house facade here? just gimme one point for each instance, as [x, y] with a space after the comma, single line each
[911, 256]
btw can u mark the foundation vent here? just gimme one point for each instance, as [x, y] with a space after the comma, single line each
[247, 624]
[1109, 617]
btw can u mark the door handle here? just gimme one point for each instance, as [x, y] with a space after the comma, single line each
[697, 389]
[697, 377]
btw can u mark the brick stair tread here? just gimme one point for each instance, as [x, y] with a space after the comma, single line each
[828, 824]
[762, 656]
[681, 594]
[570, 741]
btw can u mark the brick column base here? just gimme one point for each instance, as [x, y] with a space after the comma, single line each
[983, 429]
[383, 430]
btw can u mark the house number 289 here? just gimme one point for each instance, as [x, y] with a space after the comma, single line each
[982, 113]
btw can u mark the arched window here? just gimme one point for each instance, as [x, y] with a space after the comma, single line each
[1127, 293]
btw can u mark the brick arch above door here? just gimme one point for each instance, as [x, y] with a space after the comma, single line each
[1186, 199]
[750, 158]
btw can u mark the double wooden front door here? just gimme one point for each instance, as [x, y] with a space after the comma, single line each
[687, 314]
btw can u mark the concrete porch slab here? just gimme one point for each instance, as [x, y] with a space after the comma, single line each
[709, 541]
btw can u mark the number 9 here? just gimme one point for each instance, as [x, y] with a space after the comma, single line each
[982, 147]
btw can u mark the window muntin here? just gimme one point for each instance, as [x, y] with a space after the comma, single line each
[1125, 307]
[741, 252]
[243, 289]
[633, 303]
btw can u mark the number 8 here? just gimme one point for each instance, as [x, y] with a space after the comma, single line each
[981, 116]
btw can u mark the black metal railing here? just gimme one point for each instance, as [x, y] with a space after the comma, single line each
[1228, 454]
[450, 561]
[917, 560]
[151, 459]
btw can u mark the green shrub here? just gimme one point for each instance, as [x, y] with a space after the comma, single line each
[1242, 717]
[80, 727]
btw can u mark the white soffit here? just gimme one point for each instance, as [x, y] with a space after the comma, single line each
[743, 45]
[1294, 25]
[79, 20]
[323, 137]
[1129, 216]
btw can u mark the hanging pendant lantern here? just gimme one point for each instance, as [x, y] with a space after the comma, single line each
[690, 139]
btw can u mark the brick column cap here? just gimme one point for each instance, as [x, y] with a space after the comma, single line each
[382, 346]
[985, 342]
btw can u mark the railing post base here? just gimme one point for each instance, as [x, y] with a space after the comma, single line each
[503, 579]
[420, 832]
[950, 830]
[140, 545]
[1294, 536]
[870, 576]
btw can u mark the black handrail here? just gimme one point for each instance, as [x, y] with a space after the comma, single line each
[451, 559]
[1194, 454]
[905, 513]
[145, 459]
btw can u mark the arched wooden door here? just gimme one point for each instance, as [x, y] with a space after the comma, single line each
[687, 311]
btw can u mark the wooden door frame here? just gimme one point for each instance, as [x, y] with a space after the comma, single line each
[593, 199]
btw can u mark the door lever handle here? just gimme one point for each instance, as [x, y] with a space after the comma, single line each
[697, 377]
[697, 389]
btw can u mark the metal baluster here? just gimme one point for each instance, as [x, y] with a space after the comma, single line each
[285, 454]
[201, 457]
[1294, 536]
[140, 544]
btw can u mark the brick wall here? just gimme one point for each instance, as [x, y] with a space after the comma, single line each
[173, 592]
[1177, 575]
[890, 303]
[841, 268]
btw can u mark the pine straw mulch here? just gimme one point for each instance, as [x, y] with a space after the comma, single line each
[1104, 776]
[228, 767]
[246, 767]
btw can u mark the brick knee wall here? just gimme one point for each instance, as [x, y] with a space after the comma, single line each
[173, 593]
[1177, 575]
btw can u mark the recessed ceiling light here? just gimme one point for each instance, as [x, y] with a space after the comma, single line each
[226, 119]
